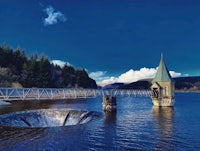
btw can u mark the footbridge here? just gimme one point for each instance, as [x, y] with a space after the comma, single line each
[9, 94]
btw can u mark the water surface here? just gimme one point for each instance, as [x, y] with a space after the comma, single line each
[135, 125]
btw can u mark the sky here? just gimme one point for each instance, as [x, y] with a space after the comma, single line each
[114, 40]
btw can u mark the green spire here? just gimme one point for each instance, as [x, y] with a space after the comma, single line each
[162, 74]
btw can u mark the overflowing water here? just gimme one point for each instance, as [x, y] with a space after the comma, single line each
[47, 118]
[136, 125]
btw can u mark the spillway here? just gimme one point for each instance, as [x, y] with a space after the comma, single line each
[47, 118]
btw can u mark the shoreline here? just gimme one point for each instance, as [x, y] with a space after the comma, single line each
[186, 91]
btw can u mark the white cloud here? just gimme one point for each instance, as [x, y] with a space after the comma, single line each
[174, 74]
[60, 63]
[98, 75]
[186, 75]
[53, 17]
[135, 75]
[108, 80]
[127, 77]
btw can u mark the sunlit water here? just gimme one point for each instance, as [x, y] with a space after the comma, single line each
[135, 125]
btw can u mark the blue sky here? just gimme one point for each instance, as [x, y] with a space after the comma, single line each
[112, 39]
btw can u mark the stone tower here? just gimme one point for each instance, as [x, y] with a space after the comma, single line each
[163, 87]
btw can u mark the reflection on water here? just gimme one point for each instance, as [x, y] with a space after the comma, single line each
[20, 134]
[16, 136]
[163, 117]
[163, 120]
[109, 132]
[110, 116]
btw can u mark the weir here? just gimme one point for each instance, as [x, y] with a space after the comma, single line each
[47, 118]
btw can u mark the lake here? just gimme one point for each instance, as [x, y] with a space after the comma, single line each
[136, 125]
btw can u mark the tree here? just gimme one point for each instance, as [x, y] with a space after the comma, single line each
[6, 56]
[83, 80]
[44, 73]
[38, 71]
[30, 71]
[6, 77]
[68, 74]
[18, 60]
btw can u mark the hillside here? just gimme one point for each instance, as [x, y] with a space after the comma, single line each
[113, 86]
[136, 85]
[18, 69]
[189, 84]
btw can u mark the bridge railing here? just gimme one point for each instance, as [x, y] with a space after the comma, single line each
[54, 93]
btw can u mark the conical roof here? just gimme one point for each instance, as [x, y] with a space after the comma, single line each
[162, 74]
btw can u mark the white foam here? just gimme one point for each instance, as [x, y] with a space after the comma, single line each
[46, 118]
[4, 103]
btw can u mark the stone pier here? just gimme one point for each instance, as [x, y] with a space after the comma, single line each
[109, 103]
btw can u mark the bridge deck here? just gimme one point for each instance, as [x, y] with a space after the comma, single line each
[9, 94]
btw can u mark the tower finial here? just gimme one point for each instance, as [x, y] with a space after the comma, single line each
[161, 55]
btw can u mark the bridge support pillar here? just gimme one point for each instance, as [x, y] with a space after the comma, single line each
[109, 103]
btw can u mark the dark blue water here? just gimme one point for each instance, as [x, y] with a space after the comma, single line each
[136, 125]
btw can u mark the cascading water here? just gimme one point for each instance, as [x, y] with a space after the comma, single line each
[47, 118]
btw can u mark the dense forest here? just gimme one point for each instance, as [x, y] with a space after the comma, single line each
[18, 69]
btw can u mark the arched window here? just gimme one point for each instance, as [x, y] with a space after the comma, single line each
[155, 92]
[165, 91]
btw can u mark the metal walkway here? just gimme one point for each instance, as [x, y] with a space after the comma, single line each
[9, 94]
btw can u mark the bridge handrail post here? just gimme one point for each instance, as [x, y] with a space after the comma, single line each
[75, 95]
[38, 94]
[64, 94]
[86, 93]
[6, 97]
[23, 93]
[51, 93]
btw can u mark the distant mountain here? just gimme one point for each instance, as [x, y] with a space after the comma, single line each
[136, 85]
[189, 84]
[113, 86]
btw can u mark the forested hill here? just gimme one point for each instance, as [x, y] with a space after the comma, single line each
[187, 84]
[16, 67]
